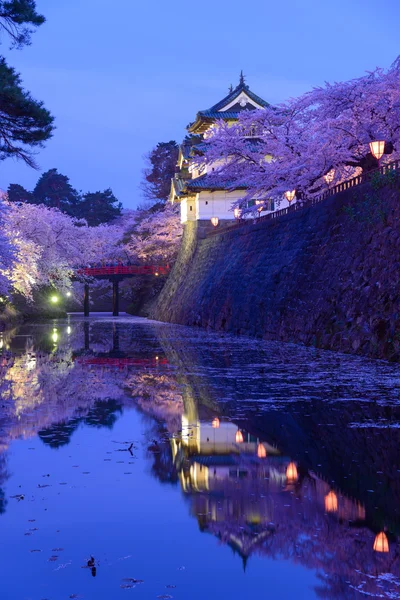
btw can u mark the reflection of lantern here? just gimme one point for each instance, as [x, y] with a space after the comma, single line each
[331, 502]
[261, 451]
[381, 543]
[291, 473]
[290, 195]
[377, 149]
[215, 423]
[239, 437]
[237, 213]
[214, 221]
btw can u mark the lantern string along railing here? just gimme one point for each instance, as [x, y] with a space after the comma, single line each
[306, 203]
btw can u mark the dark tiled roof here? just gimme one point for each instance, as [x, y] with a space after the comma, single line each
[188, 144]
[216, 112]
[209, 182]
[242, 87]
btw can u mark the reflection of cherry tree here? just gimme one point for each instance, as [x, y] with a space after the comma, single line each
[7, 253]
[158, 395]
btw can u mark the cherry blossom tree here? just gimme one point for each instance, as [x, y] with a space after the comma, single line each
[312, 142]
[7, 254]
[155, 236]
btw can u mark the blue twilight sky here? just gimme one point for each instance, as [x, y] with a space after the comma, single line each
[121, 76]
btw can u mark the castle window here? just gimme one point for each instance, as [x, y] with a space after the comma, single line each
[191, 207]
[206, 202]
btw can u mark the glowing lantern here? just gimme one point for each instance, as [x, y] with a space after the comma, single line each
[291, 473]
[261, 451]
[215, 423]
[329, 177]
[54, 299]
[381, 543]
[237, 213]
[68, 294]
[215, 221]
[156, 273]
[377, 149]
[239, 437]
[331, 502]
[290, 195]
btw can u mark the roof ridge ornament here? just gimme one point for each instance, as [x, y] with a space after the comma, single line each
[242, 80]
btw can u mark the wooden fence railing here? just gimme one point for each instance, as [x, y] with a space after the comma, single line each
[300, 205]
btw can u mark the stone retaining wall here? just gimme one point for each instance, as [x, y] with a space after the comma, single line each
[326, 276]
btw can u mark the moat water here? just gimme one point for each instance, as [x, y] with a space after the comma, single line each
[145, 460]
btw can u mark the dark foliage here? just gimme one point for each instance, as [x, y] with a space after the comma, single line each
[24, 122]
[99, 207]
[54, 190]
[157, 175]
[19, 19]
[17, 193]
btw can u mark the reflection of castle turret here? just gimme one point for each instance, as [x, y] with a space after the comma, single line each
[241, 488]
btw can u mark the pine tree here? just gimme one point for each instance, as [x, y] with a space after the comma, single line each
[17, 193]
[24, 122]
[19, 19]
[99, 207]
[54, 190]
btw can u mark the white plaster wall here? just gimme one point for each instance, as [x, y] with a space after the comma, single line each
[188, 209]
[216, 204]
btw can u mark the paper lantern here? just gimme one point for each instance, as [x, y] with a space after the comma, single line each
[215, 221]
[290, 195]
[239, 437]
[261, 451]
[381, 543]
[331, 502]
[377, 149]
[215, 423]
[291, 473]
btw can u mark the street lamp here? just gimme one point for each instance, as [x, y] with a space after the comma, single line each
[215, 423]
[54, 299]
[289, 195]
[377, 149]
[215, 221]
[237, 213]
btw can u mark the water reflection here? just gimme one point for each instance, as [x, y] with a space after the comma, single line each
[273, 463]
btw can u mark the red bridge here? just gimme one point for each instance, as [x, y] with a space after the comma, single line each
[123, 270]
[120, 362]
[115, 274]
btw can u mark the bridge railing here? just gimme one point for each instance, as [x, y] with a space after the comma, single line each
[300, 205]
[101, 271]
